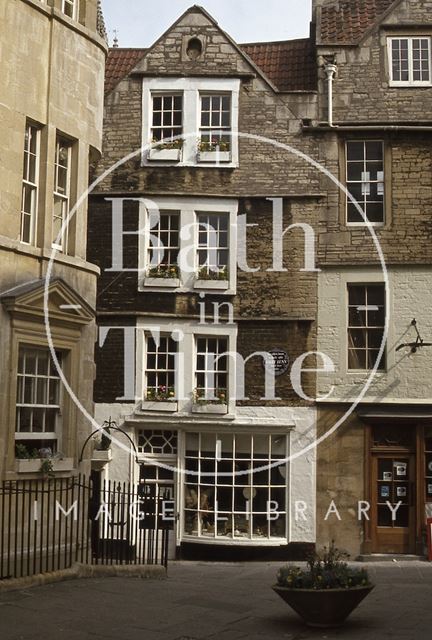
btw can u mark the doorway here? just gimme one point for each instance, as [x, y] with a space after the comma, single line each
[393, 512]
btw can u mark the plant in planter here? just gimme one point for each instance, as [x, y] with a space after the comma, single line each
[23, 453]
[327, 591]
[104, 444]
[47, 468]
[207, 273]
[220, 397]
[209, 146]
[164, 271]
[161, 394]
[165, 146]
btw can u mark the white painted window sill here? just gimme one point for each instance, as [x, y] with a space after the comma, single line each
[166, 283]
[34, 466]
[164, 406]
[214, 157]
[218, 409]
[211, 284]
[165, 155]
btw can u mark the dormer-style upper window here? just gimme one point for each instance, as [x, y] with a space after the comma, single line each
[410, 61]
[191, 121]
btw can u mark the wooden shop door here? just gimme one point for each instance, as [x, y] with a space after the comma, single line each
[393, 485]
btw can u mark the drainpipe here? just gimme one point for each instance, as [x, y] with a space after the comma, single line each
[330, 69]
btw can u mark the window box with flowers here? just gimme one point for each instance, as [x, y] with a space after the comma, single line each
[214, 151]
[161, 399]
[41, 461]
[166, 151]
[163, 276]
[218, 404]
[208, 278]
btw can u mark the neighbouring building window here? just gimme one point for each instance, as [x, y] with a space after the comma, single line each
[29, 203]
[160, 368]
[213, 245]
[232, 491]
[211, 369]
[410, 61]
[155, 442]
[164, 247]
[167, 117]
[215, 129]
[62, 179]
[366, 321]
[365, 180]
[70, 8]
[38, 401]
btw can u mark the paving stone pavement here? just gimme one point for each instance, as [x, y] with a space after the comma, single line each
[203, 601]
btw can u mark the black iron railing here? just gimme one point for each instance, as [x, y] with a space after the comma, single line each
[50, 524]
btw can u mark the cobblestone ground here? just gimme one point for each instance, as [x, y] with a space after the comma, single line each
[211, 602]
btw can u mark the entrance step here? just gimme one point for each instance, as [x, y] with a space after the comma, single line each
[388, 557]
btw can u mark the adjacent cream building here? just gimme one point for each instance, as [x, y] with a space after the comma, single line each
[52, 56]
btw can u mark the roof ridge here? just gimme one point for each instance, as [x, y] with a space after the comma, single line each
[267, 42]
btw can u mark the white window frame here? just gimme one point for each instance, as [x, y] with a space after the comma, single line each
[158, 371]
[188, 208]
[410, 82]
[28, 185]
[191, 89]
[233, 539]
[211, 374]
[212, 246]
[72, 4]
[188, 331]
[365, 327]
[63, 197]
[365, 183]
[25, 349]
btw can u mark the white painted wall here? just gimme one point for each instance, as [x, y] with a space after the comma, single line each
[408, 376]
[298, 423]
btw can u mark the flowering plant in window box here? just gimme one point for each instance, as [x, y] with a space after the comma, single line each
[207, 273]
[161, 394]
[160, 399]
[170, 150]
[164, 275]
[40, 460]
[214, 150]
[203, 404]
[208, 278]
[164, 271]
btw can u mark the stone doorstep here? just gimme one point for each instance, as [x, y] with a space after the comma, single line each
[84, 571]
[388, 557]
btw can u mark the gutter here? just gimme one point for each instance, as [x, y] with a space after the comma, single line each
[361, 127]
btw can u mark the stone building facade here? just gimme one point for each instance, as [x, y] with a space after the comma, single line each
[224, 452]
[264, 141]
[53, 57]
[380, 457]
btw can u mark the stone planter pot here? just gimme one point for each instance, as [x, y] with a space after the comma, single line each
[323, 608]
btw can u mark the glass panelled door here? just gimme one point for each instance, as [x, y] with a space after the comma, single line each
[157, 496]
[393, 503]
